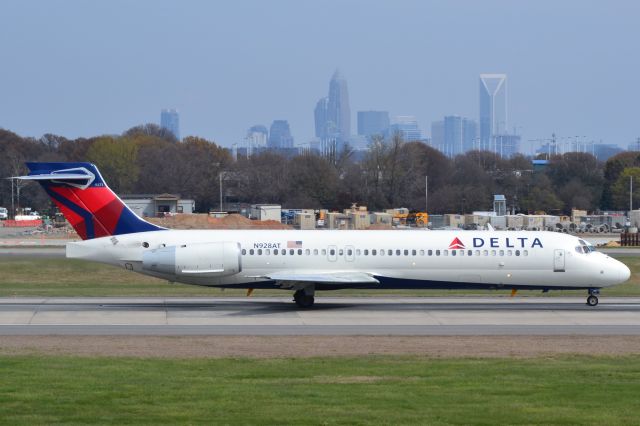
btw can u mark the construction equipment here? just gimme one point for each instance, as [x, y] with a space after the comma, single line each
[419, 219]
[399, 215]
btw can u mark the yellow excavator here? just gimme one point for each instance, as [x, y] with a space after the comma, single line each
[419, 219]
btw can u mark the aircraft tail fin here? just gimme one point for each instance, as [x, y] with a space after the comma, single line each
[86, 201]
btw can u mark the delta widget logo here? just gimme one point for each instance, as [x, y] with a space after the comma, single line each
[456, 244]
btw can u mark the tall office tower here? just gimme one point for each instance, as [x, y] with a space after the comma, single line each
[437, 135]
[407, 126]
[332, 114]
[170, 120]
[280, 135]
[372, 122]
[493, 108]
[453, 136]
[320, 118]
[507, 145]
[256, 139]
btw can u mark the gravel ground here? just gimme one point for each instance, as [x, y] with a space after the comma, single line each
[316, 346]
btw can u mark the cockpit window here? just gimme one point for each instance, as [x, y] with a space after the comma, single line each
[586, 247]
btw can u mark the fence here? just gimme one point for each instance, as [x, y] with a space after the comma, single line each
[628, 240]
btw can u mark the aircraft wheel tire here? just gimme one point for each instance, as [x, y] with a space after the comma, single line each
[302, 300]
[592, 300]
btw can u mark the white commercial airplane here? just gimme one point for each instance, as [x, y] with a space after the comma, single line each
[306, 261]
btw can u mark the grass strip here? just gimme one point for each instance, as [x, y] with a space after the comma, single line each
[366, 390]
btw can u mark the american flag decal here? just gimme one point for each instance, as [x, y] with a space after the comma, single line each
[294, 244]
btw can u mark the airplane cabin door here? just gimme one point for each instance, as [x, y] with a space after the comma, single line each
[558, 260]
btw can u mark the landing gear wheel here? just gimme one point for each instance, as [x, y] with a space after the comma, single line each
[592, 300]
[303, 300]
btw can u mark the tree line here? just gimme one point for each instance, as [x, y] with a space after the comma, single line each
[148, 159]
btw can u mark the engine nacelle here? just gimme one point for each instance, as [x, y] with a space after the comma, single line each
[195, 260]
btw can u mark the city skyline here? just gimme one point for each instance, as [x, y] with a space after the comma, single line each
[70, 74]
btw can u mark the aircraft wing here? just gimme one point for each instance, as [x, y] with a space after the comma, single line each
[325, 277]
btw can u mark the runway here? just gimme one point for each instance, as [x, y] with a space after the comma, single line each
[462, 316]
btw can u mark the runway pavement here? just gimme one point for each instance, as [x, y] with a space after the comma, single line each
[331, 316]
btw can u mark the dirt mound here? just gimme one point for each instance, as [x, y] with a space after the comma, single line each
[204, 221]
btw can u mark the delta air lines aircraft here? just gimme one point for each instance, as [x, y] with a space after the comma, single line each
[306, 261]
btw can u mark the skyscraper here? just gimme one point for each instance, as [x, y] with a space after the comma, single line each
[407, 126]
[256, 139]
[332, 114]
[437, 135]
[170, 120]
[280, 135]
[320, 118]
[372, 122]
[493, 108]
[459, 135]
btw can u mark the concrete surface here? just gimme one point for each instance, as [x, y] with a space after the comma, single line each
[331, 316]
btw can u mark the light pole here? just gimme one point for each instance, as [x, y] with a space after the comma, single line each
[220, 176]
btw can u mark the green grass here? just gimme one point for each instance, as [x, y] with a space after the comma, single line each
[369, 390]
[70, 277]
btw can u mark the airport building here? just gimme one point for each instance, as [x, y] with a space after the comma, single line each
[150, 205]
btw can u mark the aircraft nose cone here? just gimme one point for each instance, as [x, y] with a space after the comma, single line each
[625, 272]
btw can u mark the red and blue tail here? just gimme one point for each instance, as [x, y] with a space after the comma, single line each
[86, 201]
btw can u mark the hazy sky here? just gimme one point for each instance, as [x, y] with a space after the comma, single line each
[82, 68]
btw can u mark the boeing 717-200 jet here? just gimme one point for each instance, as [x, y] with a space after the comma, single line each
[306, 261]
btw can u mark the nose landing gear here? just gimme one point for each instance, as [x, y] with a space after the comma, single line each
[592, 299]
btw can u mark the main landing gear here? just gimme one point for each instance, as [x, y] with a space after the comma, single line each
[304, 298]
[592, 299]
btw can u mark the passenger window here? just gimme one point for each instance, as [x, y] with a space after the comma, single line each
[413, 253]
[493, 252]
[349, 252]
[477, 252]
[357, 252]
[421, 252]
[259, 252]
[445, 252]
[267, 251]
[430, 252]
[518, 252]
[324, 252]
[307, 252]
[470, 253]
[461, 252]
[406, 252]
[275, 252]
[366, 252]
[509, 253]
[340, 252]
[373, 252]
[332, 252]
[390, 252]
[299, 252]
[501, 252]
[251, 252]
[292, 252]
[244, 251]
[381, 252]
[485, 252]
[525, 252]
[398, 252]
[453, 252]
[283, 252]
[437, 252]
[315, 252]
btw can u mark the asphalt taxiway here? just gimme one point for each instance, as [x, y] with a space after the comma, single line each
[331, 316]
